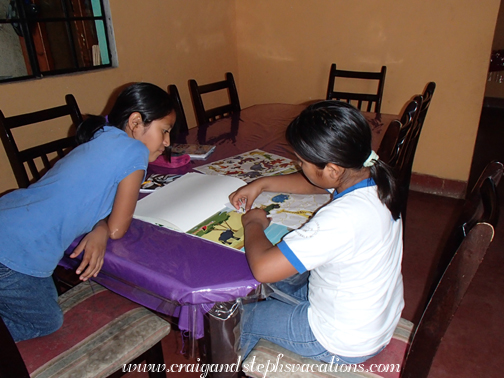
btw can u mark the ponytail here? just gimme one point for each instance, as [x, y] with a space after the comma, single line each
[386, 184]
[87, 129]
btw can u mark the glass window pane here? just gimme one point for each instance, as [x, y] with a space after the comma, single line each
[102, 42]
[12, 57]
[54, 46]
[50, 8]
[12, 47]
[80, 8]
[85, 38]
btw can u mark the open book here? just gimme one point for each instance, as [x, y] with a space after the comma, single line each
[196, 204]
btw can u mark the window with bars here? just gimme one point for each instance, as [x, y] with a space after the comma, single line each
[49, 37]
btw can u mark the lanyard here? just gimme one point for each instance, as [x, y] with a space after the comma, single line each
[362, 184]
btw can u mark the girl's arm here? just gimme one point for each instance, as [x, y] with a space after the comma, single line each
[93, 245]
[267, 263]
[124, 204]
[115, 226]
[295, 183]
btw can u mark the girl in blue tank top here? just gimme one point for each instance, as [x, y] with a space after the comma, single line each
[92, 191]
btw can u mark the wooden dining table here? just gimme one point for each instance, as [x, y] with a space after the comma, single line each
[263, 126]
[189, 277]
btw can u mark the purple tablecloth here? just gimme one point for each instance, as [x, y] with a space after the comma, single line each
[164, 269]
[182, 275]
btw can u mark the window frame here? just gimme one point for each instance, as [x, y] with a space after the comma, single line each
[23, 20]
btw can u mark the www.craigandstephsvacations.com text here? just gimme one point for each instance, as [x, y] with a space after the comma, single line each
[263, 368]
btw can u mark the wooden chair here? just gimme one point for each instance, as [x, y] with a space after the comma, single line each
[17, 158]
[63, 279]
[481, 205]
[389, 147]
[405, 163]
[370, 98]
[101, 332]
[426, 100]
[399, 146]
[411, 360]
[181, 121]
[204, 116]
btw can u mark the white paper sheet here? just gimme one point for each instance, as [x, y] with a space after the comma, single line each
[187, 201]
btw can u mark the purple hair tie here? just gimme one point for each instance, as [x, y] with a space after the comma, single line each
[106, 120]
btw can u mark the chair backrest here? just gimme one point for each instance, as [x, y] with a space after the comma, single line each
[399, 152]
[444, 302]
[18, 158]
[181, 121]
[481, 205]
[204, 116]
[389, 144]
[408, 119]
[426, 97]
[357, 99]
[460, 259]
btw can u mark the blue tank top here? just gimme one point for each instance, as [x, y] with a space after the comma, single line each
[37, 224]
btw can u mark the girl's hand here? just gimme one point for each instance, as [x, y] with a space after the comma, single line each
[94, 245]
[245, 195]
[258, 216]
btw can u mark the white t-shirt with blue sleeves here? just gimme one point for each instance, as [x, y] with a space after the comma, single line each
[37, 224]
[353, 248]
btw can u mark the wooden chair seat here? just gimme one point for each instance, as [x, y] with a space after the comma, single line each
[392, 357]
[101, 332]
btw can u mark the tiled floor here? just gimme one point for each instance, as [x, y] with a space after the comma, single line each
[473, 345]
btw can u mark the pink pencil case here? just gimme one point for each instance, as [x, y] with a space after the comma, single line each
[176, 161]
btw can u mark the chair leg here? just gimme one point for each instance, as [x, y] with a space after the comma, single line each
[154, 356]
[64, 279]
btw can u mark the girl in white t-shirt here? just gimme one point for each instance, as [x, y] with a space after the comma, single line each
[342, 269]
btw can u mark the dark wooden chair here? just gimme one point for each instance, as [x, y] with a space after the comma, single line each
[413, 348]
[47, 153]
[357, 99]
[101, 333]
[389, 145]
[481, 205]
[18, 158]
[426, 100]
[399, 146]
[204, 116]
[181, 122]
[445, 301]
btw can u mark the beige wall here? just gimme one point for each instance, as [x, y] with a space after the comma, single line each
[286, 47]
[158, 41]
[281, 50]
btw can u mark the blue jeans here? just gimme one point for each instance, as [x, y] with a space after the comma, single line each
[28, 305]
[285, 323]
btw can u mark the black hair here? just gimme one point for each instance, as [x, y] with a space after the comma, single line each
[336, 132]
[147, 99]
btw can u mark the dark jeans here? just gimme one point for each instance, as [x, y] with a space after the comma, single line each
[283, 320]
[28, 305]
